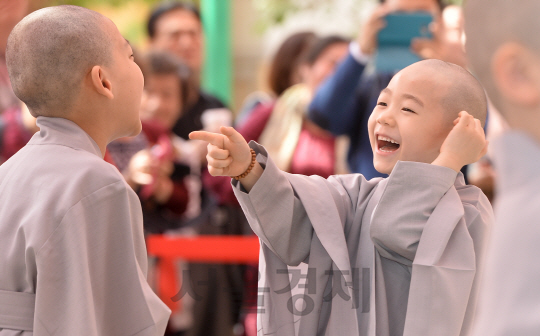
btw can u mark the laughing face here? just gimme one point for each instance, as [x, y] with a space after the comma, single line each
[409, 121]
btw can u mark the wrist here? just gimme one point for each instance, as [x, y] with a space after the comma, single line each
[356, 52]
[449, 161]
[249, 168]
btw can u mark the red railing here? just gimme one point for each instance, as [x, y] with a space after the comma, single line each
[203, 249]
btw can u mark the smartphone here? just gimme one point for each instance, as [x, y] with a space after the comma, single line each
[394, 40]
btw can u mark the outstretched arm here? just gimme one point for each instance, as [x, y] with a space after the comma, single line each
[274, 212]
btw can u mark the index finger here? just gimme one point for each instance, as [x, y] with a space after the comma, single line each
[215, 139]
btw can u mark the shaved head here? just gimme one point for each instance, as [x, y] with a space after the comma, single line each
[489, 24]
[49, 53]
[460, 90]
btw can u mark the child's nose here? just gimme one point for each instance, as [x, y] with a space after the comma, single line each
[385, 118]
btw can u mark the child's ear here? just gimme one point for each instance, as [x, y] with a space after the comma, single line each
[101, 82]
[516, 73]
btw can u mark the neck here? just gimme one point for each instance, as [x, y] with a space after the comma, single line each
[91, 126]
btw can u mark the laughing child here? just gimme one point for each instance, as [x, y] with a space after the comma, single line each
[394, 256]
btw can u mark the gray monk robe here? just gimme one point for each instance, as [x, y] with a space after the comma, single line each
[72, 253]
[395, 256]
[510, 288]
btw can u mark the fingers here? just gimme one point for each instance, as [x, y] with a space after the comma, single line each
[232, 134]
[215, 139]
[218, 160]
[217, 163]
[217, 153]
[464, 119]
[478, 123]
[216, 171]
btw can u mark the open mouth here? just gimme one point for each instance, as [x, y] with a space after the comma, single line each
[385, 144]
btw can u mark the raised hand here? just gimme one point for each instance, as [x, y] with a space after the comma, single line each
[228, 152]
[446, 43]
[466, 143]
[367, 37]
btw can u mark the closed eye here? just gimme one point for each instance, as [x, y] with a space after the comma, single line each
[408, 110]
[381, 104]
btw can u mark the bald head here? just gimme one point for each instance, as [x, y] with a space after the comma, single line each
[50, 51]
[491, 23]
[458, 89]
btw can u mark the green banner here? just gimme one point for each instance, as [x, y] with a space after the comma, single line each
[217, 71]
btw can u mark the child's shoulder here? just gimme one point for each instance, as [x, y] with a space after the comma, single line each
[472, 195]
[474, 200]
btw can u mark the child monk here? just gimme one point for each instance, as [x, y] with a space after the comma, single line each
[503, 48]
[394, 256]
[72, 251]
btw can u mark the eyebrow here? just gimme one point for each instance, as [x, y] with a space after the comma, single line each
[405, 95]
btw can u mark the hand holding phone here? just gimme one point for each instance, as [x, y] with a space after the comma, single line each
[394, 40]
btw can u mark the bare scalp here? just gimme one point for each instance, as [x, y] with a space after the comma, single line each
[49, 52]
[461, 90]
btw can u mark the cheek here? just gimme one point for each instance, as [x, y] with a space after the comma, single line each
[372, 122]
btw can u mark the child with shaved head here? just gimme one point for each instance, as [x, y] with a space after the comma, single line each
[72, 250]
[394, 256]
[503, 48]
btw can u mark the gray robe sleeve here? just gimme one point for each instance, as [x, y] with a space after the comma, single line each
[92, 271]
[276, 216]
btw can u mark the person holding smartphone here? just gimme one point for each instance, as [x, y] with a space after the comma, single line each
[344, 102]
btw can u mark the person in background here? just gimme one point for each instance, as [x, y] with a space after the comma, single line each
[282, 73]
[176, 27]
[16, 123]
[17, 126]
[289, 136]
[11, 12]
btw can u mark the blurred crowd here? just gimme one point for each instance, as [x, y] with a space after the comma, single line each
[312, 121]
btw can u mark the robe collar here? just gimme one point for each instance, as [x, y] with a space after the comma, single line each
[63, 132]
[516, 157]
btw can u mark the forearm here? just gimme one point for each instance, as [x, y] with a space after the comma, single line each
[274, 213]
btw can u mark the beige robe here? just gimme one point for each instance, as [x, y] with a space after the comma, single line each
[72, 253]
[395, 256]
[509, 302]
